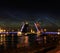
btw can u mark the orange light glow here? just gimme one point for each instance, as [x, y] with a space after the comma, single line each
[19, 33]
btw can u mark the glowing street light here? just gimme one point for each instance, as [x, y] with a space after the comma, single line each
[19, 33]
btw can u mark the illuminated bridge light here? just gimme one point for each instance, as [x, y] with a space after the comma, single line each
[12, 32]
[51, 32]
[36, 26]
[27, 33]
[26, 22]
[58, 33]
[22, 27]
[7, 32]
[19, 33]
[45, 29]
[32, 31]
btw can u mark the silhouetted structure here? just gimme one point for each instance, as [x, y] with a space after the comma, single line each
[25, 28]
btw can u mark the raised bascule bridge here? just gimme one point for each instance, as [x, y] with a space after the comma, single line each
[25, 29]
[30, 40]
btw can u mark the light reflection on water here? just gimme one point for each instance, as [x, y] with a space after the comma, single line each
[13, 40]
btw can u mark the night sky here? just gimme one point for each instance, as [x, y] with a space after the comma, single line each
[15, 12]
